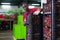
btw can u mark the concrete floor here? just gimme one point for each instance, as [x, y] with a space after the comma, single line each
[6, 35]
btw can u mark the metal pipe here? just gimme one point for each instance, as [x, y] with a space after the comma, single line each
[53, 20]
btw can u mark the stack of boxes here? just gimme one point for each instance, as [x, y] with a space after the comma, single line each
[47, 30]
[47, 20]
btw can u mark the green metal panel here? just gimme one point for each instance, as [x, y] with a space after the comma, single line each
[19, 30]
[23, 28]
[20, 19]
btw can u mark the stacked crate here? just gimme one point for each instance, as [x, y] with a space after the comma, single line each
[34, 27]
[47, 27]
[29, 27]
[47, 20]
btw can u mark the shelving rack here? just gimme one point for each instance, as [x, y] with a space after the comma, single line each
[49, 20]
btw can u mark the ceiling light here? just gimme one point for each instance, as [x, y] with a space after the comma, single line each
[43, 1]
[35, 4]
[31, 6]
[6, 7]
[5, 3]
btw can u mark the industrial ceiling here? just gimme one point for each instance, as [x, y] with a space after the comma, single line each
[18, 2]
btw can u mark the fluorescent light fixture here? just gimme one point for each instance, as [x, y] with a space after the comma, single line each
[43, 1]
[6, 7]
[35, 4]
[31, 6]
[5, 3]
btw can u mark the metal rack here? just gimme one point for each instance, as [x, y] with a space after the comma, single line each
[49, 7]
[9, 22]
